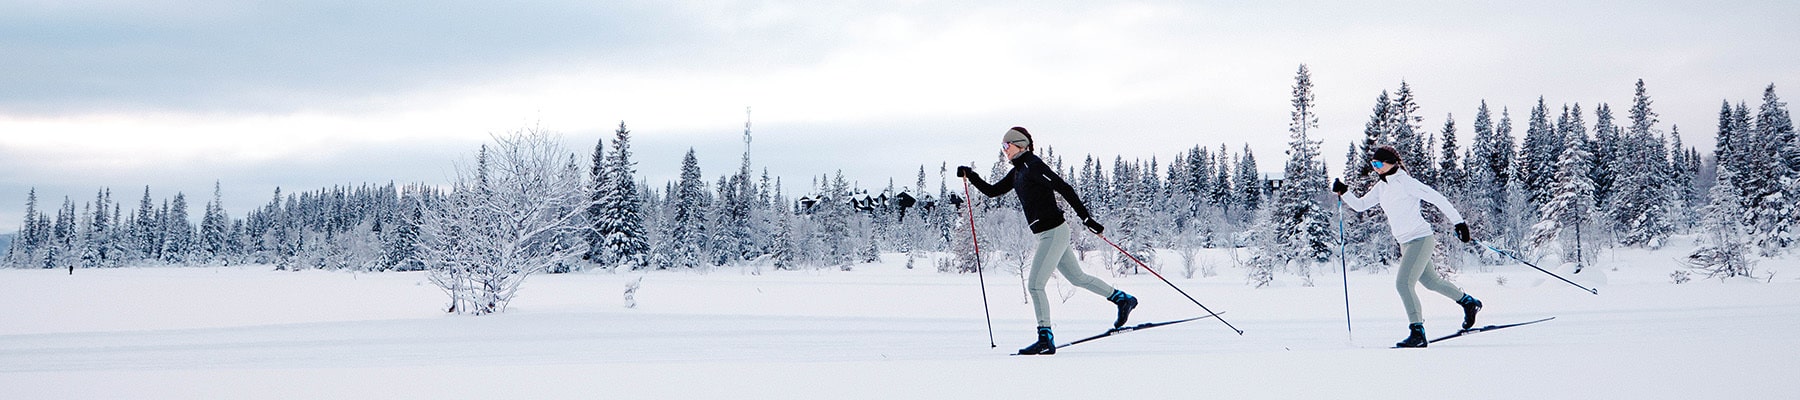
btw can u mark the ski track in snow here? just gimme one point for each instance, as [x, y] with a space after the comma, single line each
[882, 332]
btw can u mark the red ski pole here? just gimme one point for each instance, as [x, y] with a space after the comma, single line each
[969, 203]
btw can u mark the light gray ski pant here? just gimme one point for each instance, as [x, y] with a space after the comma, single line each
[1053, 253]
[1415, 269]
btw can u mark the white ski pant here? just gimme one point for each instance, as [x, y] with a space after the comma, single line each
[1415, 269]
[1053, 253]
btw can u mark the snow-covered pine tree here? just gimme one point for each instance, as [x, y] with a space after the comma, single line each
[1641, 206]
[688, 235]
[784, 248]
[64, 235]
[1537, 156]
[1681, 185]
[98, 242]
[1605, 150]
[146, 241]
[22, 252]
[178, 233]
[1200, 173]
[1181, 200]
[214, 226]
[1450, 181]
[1300, 226]
[401, 249]
[1129, 206]
[1778, 123]
[1571, 197]
[1487, 170]
[1750, 164]
[1408, 135]
[1221, 196]
[1778, 161]
[621, 210]
[1153, 199]
[1249, 184]
[1725, 140]
[597, 187]
[834, 223]
[1450, 172]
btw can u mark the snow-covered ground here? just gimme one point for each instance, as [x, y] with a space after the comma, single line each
[882, 331]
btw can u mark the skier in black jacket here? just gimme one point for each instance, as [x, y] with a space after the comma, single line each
[1037, 185]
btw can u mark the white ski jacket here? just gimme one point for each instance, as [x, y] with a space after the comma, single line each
[1399, 196]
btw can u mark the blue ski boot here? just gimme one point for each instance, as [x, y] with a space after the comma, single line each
[1125, 302]
[1046, 344]
[1417, 339]
[1470, 306]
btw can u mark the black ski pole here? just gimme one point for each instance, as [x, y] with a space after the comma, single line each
[1509, 254]
[969, 202]
[1133, 258]
[1344, 269]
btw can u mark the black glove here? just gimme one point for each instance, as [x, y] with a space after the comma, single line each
[1093, 226]
[962, 171]
[1462, 231]
[1338, 186]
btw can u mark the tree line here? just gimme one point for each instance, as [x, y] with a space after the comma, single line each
[1568, 188]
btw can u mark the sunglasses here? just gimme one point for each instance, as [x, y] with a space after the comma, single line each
[1377, 164]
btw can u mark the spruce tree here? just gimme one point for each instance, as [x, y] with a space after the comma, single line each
[178, 233]
[1299, 224]
[1538, 155]
[687, 230]
[1450, 173]
[1606, 152]
[1490, 174]
[24, 243]
[620, 224]
[1221, 188]
[1641, 204]
[1571, 199]
[214, 226]
[597, 188]
[1681, 184]
[1249, 183]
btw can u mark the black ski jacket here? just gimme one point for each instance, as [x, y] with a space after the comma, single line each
[1035, 183]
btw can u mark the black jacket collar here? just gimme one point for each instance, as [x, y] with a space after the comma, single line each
[1024, 158]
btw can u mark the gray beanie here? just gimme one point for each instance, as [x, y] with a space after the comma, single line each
[1018, 137]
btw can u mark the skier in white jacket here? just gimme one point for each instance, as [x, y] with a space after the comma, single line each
[1399, 196]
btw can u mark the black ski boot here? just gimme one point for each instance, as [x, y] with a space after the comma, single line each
[1125, 302]
[1470, 307]
[1417, 339]
[1046, 345]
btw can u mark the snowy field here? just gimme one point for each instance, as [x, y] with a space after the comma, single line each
[882, 331]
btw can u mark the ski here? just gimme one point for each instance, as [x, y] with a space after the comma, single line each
[1472, 331]
[1123, 330]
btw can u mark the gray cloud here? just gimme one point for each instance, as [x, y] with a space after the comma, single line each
[280, 57]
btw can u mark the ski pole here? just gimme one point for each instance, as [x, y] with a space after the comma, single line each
[969, 202]
[1509, 254]
[1344, 269]
[1133, 258]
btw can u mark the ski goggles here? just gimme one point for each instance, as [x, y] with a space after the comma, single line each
[1377, 164]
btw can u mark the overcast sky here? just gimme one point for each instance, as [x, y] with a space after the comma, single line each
[301, 95]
